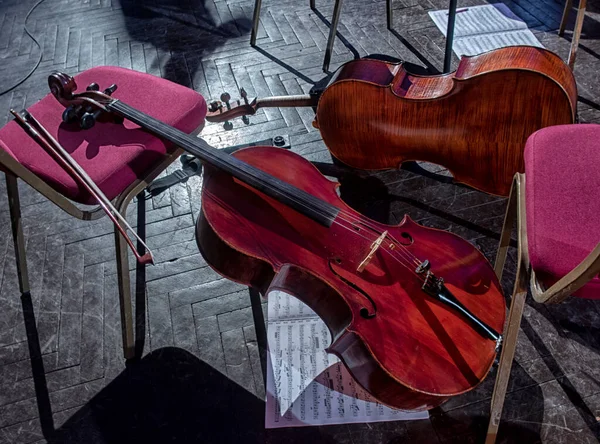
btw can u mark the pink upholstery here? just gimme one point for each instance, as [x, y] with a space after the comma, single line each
[114, 156]
[562, 165]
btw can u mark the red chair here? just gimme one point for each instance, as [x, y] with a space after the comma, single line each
[558, 232]
[121, 159]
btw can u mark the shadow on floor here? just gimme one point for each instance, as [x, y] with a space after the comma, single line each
[168, 396]
[188, 31]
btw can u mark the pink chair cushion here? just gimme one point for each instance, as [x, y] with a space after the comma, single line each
[114, 156]
[562, 165]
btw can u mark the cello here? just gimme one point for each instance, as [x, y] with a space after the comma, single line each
[414, 312]
[375, 115]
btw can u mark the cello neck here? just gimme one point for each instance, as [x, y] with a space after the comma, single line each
[301, 201]
[239, 108]
[287, 101]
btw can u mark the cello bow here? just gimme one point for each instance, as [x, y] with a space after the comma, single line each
[40, 134]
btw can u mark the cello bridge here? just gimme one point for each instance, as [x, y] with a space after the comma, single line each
[374, 247]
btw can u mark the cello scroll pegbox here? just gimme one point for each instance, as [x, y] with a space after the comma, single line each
[75, 112]
[63, 87]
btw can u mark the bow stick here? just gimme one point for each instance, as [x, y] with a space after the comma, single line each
[41, 135]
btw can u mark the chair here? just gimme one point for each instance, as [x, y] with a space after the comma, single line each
[121, 159]
[337, 9]
[576, 29]
[557, 212]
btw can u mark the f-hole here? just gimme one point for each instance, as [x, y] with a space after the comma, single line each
[406, 239]
[364, 311]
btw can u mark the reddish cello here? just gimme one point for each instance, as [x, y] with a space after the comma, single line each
[475, 121]
[415, 313]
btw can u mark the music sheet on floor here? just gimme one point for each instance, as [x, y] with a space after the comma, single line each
[305, 384]
[482, 28]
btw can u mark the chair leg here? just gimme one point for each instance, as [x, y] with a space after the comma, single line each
[515, 314]
[506, 359]
[124, 294]
[313, 6]
[255, 21]
[337, 9]
[565, 17]
[390, 15]
[509, 218]
[577, 33]
[16, 223]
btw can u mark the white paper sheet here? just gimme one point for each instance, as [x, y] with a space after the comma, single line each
[305, 384]
[482, 28]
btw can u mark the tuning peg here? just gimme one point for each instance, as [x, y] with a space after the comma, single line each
[111, 89]
[244, 95]
[72, 113]
[225, 97]
[93, 87]
[87, 121]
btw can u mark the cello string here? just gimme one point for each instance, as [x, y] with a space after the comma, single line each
[181, 138]
[342, 214]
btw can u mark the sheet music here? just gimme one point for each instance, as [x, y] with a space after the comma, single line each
[482, 28]
[305, 384]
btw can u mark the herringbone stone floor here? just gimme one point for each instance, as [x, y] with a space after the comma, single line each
[201, 377]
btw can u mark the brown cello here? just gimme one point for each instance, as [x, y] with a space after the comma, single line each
[414, 312]
[475, 121]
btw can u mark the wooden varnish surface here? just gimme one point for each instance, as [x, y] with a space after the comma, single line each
[475, 122]
[413, 341]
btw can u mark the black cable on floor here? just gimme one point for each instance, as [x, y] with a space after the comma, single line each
[34, 41]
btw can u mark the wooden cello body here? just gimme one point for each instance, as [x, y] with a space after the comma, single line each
[406, 349]
[415, 313]
[474, 121]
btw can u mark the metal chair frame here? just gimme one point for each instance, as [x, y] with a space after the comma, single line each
[13, 170]
[576, 29]
[337, 9]
[525, 279]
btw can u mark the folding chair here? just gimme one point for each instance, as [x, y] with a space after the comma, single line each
[122, 159]
[337, 9]
[558, 232]
[576, 29]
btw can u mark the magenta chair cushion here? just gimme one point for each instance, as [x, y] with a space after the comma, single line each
[113, 155]
[562, 170]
